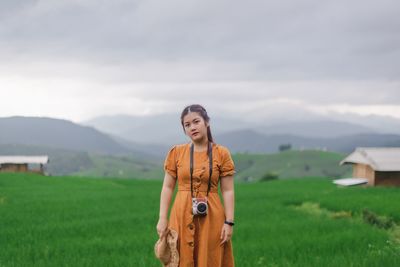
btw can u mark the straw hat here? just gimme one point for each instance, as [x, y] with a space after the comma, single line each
[166, 249]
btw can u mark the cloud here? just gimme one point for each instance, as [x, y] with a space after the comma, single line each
[141, 57]
[300, 40]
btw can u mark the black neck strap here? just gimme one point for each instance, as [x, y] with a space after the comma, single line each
[209, 150]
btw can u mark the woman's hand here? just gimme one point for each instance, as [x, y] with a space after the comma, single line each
[226, 233]
[162, 226]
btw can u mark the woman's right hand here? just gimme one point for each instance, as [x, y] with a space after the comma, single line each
[162, 226]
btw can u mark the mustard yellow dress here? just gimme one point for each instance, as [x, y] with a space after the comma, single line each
[199, 236]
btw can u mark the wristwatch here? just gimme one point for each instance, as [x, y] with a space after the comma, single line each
[230, 223]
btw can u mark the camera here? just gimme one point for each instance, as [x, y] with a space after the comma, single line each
[199, 206]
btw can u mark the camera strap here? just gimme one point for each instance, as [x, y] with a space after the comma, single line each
[210, 158]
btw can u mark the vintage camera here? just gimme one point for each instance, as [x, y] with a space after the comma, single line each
[199, 206]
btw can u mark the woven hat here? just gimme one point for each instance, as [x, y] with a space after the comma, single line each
[166, 249]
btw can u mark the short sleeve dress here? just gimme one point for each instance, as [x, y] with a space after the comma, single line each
[199, 236]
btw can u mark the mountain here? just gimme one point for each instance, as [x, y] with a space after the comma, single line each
[249, 141]
[77, 149]
[67, 135]
[349, 143]
[82, 150]
[166, 129]
[319, 129]
[58, 134]
[382, 124]
[157, 129]
[151, 151]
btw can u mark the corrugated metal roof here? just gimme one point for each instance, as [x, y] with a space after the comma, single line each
[379, 158]
[24, 159]
[350, 181]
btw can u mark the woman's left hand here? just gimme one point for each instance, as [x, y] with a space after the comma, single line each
[226, 233]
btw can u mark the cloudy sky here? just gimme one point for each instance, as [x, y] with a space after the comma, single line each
[77, 59]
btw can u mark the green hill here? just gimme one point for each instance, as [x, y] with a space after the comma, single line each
[122, 167]
[249, 166]
[290, 164]
[72, 221]
[80, 163]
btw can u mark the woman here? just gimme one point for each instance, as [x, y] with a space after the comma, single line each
[204, 231]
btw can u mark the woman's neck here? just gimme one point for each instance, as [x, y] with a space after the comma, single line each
[200, 145]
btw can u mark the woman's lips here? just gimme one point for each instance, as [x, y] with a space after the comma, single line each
[194, 134]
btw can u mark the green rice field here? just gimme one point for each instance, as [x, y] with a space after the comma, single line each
[76, 221]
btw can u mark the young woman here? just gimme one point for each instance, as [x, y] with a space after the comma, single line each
[203, 224]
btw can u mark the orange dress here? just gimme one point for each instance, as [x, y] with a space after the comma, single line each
[199, 236]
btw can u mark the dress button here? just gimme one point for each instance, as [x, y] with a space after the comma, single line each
[191, 244]
[191, 226]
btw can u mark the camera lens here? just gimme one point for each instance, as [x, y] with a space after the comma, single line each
[201, 207]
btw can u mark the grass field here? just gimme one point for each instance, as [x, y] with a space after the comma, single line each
[72, 221]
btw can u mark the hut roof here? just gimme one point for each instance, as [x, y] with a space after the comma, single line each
[379, 158]
[24, 159]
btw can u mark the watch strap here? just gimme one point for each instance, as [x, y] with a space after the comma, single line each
[230, 223]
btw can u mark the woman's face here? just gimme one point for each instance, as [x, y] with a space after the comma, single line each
[195, 126]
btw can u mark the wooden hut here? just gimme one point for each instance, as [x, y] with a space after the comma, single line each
[379, 165]
[23, 163]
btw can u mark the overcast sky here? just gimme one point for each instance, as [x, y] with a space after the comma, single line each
[78, 59]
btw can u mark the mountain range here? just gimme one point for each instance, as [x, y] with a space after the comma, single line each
[166, 129]
[126, 145]
[249, 141]
[152, 136]
[56, 133]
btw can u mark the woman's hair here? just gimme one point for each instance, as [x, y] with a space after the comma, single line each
[202, 112]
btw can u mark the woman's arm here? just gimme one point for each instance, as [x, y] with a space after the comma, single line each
[228, 195]
[165, 200]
